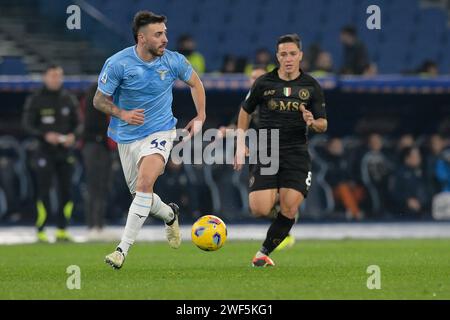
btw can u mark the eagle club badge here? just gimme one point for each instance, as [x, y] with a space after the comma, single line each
[287, 91]
[162, 74]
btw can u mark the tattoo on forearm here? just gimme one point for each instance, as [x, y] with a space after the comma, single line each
[104, 104]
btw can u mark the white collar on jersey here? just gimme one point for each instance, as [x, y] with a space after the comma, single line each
[145, 62]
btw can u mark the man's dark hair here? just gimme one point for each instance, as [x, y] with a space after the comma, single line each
[287, 38]
[185, 37]
[406, 152]
[259, 67]
[349, 29]
[143, 18]
[51, 67]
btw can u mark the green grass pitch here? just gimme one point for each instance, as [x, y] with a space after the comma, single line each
[410, 269]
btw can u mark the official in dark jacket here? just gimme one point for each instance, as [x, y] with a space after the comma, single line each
[51, 115]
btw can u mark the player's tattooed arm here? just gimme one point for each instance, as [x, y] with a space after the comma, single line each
[104, 104]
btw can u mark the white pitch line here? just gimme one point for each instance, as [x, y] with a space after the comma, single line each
[322, 231]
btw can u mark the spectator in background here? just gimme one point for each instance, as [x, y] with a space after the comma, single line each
[406, 140]
[310, 57]
[187, 47]
[429, 68]
[409, 186]
[263, 58]
[323, 65]
[443, 171]
[371, 70]
[355, 55]
[97, 155]
[257, 72]
[375, 171]
[177, 186]
[345, 190]
[233, 64]
[51, 115]
[436, 145]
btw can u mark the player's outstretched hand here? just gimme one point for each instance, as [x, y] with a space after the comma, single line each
[307, 115]
[195, 125]
[134, 117]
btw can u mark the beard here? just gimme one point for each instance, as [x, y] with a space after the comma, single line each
[156, 51]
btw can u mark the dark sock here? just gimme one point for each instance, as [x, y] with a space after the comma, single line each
[278, 230]
[171, 221]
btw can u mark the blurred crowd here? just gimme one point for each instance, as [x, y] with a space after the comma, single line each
[317, 61]
[68, 164]
[379, 177]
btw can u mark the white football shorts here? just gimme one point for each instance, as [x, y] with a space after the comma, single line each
[131, 154]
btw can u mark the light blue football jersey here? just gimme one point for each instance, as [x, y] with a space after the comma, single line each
[136, 84]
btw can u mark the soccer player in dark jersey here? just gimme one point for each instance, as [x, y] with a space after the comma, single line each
[293, 103]
[258, 71]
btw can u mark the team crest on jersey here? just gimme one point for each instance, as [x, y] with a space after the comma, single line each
[162, 74]
[304, 94]
[287, 91]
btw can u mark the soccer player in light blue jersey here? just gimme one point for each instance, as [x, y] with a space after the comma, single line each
[139, 79]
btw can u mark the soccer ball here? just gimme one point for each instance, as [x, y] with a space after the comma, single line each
[209, 233]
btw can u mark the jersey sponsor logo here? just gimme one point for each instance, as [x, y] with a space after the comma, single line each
[304, 94]
[104, 77]
[269, 93]
[287, 91]
[283, 105]
[162, 74]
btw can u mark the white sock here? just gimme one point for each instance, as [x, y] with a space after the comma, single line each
[161, 210]
[138, 213]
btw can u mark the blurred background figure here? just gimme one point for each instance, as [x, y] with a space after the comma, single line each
[355, 55]
[411, 195]
[97, 155]
[338, 175]
[429, 68]
[233, 64]
[443, 171]
[187, 47]
[178, 187]
[376, 169]
[257, 71]
[436, 145]
[51, 116]
[263, 58]
[323, 65]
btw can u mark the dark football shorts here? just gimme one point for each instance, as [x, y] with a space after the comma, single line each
[294, 172]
